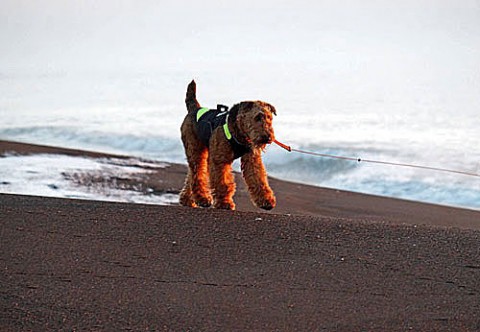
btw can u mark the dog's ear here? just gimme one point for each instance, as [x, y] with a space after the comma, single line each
[269, 107]
[272, 109]
[234, 111]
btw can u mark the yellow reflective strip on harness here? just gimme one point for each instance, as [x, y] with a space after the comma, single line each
[226, 130]
[201, 112]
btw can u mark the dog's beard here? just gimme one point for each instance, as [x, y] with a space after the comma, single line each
[259, 138]
[264, 139]
[262, 142]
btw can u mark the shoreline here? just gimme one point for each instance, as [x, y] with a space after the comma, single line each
[292, 198]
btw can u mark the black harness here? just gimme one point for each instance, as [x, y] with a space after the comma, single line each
[207, 120]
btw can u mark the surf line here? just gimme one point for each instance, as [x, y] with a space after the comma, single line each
[371, 161]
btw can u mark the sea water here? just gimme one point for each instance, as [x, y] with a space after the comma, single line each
[361, 82]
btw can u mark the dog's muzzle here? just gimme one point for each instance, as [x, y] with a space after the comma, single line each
[266, 139]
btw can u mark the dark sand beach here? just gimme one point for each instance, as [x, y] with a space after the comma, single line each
[323, 260]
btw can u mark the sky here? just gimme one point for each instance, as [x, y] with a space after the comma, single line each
[317, 49]
[58, 34]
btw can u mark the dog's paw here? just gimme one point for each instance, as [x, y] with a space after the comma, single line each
[204, 202]
[225, 205]
[202, 199]
[267, 206]
[267, 203]
[186, 200]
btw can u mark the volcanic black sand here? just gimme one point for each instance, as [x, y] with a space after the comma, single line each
[322, 260]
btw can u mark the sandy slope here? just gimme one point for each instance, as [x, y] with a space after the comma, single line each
[323, 260]
[82, 265]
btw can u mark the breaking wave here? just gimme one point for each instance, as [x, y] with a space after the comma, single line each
[148, 146]
[446, 189]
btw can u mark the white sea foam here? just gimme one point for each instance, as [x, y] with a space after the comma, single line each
[70, 177]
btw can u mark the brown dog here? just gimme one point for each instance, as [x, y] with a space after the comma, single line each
[213, 139]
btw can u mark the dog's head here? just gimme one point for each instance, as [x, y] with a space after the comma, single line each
[254, 121]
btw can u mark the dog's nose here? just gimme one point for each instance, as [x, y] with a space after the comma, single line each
[267, 139]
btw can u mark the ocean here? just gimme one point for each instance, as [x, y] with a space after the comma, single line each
[358, 82]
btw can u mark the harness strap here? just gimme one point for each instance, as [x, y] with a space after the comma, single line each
[227, 132]
[238, 148]
[201, 112]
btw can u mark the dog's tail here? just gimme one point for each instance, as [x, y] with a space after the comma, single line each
[191, 99]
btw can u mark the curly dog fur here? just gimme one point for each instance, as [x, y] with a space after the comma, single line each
[210, 179]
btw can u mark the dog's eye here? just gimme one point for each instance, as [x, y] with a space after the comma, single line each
[259, 117]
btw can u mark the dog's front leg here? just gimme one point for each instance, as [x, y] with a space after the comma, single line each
[255, 177]
[222, 182]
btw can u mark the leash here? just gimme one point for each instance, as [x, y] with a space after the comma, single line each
[371, 161]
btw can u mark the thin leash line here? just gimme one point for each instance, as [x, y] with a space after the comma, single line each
[371, 161]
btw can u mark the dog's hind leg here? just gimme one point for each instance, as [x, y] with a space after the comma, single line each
[200, 180]
[186, 198]
[196, 191]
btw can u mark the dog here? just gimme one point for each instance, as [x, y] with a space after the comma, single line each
[213, 139]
